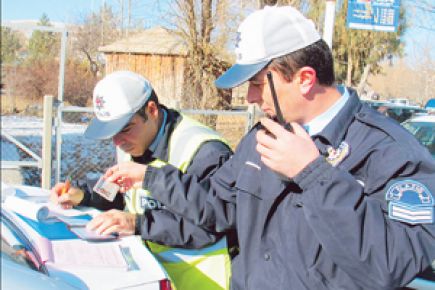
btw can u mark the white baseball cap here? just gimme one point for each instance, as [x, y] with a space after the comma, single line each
[264, 35]
[117, 97]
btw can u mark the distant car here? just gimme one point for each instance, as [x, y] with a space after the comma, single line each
[430, 105]
[396, 111]
[423, 128]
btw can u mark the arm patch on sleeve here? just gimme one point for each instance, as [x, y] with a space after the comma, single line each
[411, 202]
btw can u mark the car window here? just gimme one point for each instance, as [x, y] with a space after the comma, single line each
[424, 132]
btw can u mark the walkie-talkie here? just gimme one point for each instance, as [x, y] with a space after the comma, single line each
[278, 112]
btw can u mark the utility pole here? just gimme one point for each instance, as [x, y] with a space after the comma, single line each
[129, 16]
[122, 18]
[328, 28]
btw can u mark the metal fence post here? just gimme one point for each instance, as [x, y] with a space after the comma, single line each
[251, 118]
[60, 103]
[46, 142]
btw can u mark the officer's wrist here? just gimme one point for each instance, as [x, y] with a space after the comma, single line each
[85, 199]
[311, 172]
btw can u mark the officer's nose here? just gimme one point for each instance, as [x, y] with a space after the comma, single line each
[117, 139]
[253, 95]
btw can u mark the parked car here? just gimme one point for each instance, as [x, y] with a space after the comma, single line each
[396, 111]
[423, 128]
[26, 264]
[430, 105]
[21, 265]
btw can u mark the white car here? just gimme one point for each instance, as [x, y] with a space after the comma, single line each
[423, 128]
[23, 265]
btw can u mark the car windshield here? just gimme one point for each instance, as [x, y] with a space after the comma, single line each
[424, 132]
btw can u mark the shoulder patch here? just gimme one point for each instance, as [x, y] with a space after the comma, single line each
[411, 202]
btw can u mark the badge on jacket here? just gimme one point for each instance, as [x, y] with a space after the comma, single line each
[411, 202]
[337, 155]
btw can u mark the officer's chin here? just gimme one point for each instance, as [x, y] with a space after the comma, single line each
[274, 118]
[135, 154]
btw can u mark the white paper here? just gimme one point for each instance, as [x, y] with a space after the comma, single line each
[149, 271]
[85, 254]
[37, 211]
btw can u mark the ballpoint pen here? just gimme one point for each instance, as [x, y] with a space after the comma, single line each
[67, 185]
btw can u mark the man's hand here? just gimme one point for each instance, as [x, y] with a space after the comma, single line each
[113, 221]
[126, 175]
[284, 152]
[68, 199]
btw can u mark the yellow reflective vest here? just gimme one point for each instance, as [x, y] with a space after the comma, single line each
[208, 268]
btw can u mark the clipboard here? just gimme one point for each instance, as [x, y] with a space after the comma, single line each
[84, 234]
[77, 225]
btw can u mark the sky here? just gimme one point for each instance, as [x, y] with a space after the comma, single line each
[57, 10]
[73, 11]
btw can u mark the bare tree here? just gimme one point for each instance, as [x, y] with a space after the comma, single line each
[203, 27]
[98, 29]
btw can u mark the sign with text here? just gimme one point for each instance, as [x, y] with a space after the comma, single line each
[381, 15]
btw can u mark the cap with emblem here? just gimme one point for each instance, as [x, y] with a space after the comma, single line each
[117, 97]
[264, 35]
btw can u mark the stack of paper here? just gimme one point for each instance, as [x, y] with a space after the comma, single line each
[37, 211]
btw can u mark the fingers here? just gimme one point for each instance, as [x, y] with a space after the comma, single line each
[113, 221]
[95, 223]
[111, 170]
[125, 185]
[110, 229]
[57, 189]
[116, 177]
[66, 200]
[265, 139]
[55, 192]
[273, 127]
[300, 131]
[263, 149]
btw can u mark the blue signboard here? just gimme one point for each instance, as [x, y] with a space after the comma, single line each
[382, 15]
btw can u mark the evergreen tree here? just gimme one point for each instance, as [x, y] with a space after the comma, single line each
[10, 45]
[358, 53]
[43, 45]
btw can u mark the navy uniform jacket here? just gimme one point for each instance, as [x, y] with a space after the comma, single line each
[166, 227]
[333, 227]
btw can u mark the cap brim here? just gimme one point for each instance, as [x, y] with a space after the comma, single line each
[238, 74]
[101, 130]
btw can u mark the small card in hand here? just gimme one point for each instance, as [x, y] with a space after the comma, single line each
[106, 189]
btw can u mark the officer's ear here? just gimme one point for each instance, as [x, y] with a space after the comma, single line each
[152, 110]
[306, 78]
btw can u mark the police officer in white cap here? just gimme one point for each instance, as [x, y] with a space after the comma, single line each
[128, 111]
[325, 194]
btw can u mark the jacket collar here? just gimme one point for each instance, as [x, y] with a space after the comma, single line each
[333, 133]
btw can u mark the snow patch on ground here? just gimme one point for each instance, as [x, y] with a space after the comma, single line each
[79, 157]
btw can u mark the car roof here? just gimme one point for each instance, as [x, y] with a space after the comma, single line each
[430, 104]
[423, 118]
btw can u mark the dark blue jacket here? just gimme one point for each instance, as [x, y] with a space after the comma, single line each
[329, 228]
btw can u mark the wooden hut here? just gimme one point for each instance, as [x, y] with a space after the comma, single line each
[158, 54]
